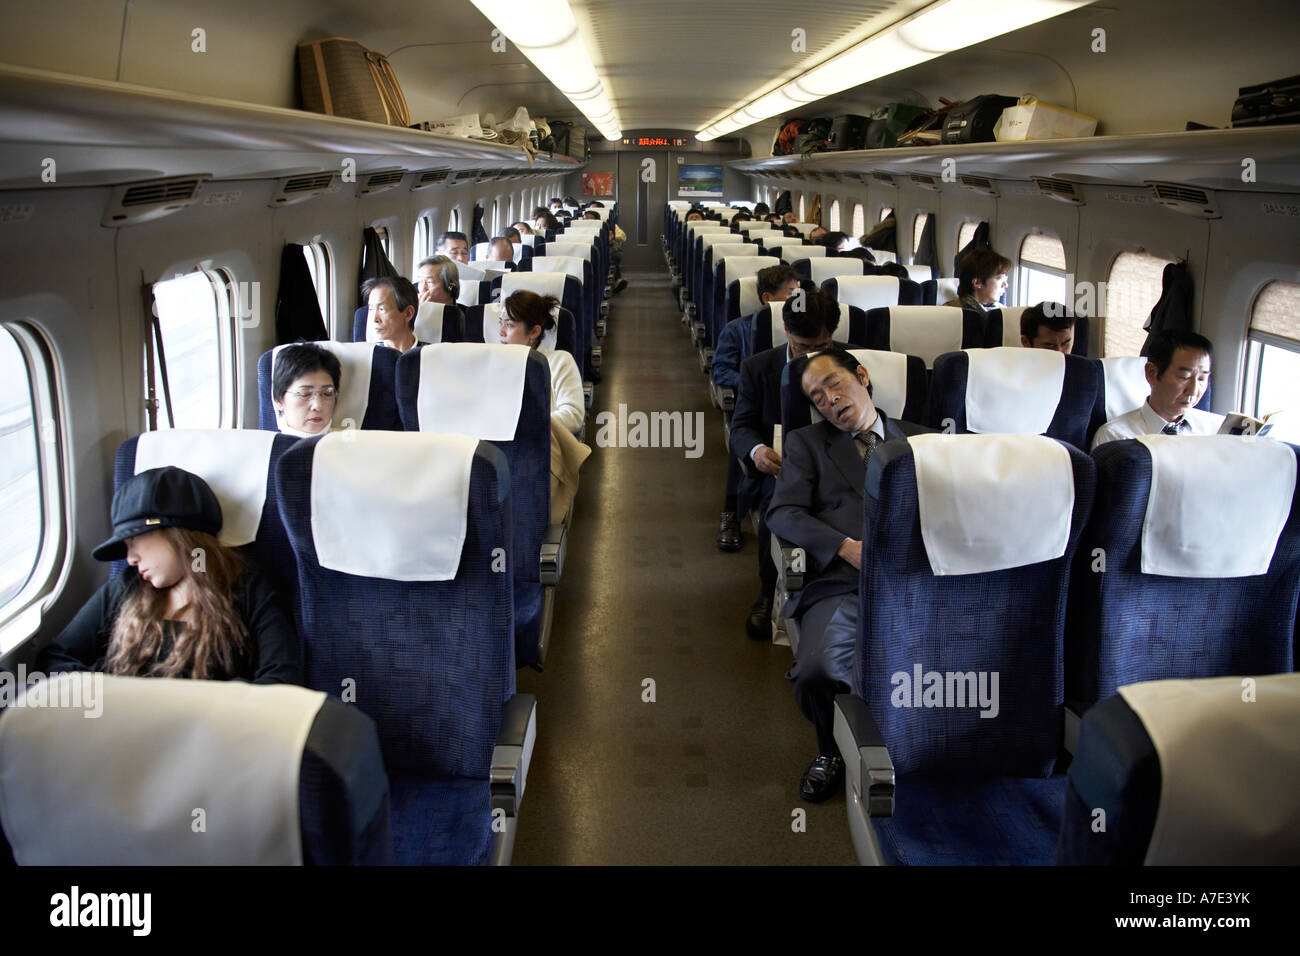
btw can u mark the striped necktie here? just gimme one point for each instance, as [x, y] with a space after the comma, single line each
[1174, 428]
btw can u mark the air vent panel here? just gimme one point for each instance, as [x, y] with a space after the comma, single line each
[296, 189]
[980, 184]
[1189, 200]
[924, 180]
[378, 182]
[133, 203]
[1059, 189]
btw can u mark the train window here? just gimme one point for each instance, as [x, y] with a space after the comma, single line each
[20, 482]
[1273, 350]
[859, 220]
[453, 221]
[420, 243]
[835, 216]
[321, 266]
[1132, 289]
[1041, 276]
[33, 540]
[496, 217]
[802, 208]
[966, 233]
[885, 213]
[195, 326]
[918, 228]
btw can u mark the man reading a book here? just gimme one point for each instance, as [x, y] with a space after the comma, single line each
[1178, 370]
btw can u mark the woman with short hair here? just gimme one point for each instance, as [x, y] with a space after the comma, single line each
[304, 388]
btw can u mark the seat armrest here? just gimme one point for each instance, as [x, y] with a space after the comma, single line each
[727, 397]
[513, 752]
[553, 548]
[791, 563]
[868, 766]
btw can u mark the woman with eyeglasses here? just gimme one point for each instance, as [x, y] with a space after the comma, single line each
[304, 389]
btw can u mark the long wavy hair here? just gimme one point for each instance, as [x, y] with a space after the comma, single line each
[214, 634]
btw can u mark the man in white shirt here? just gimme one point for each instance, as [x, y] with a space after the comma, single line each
[1178, 370]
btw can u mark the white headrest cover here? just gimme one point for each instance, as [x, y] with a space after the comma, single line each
[469, 292]
[679, 204]
[696, 226]
[356, 360]
[1217, 506]
[924, 330]
[804, 227]
[737, 266]
[722, 237]
[756, 227]
[722, 251]
[868, 292]
[946, 290]
[793, 253]
[580, 249]
[415, 529]
[466, 271]
[888, 374]
[479, 251]
[124, 786]
[991, 502]
[233, 462]
[529, 239]
[428, 322]
[918, 273]
[829, 268]
[749, 295]
[586, 229]
[1228, 767]
[1013, 390]
[568, 265]
[1126, 384]
[1011, 325]
[468, 388]
[546, 278]
[882, 256]
[493, 269]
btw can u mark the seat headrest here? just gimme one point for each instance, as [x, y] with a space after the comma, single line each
[882, 255]
[736, 266]
[867, 292]
[415, 529]
[569, 265]
[1217, 504]
[804, 227]
[722, 251]
[918, 273]
[832, 267]
[1225, 746]
[925, 330]
[356, 360]
[471, 291]
[793, 253]
[722, 237]
[775, 314]
[467, 273]
[472, 388]
[992, 502]
[428, 323]
[157, 749]
[946, 290]
[546, 278]
[234, 463]
[491, 317]
[1126, 384]
[581, 250]
[1013, 389]
[1011, 325]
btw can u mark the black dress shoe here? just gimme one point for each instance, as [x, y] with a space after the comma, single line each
[822, 778]
[759, 625]
[728, 538]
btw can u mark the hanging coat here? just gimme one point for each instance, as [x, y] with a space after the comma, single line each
[883, 235]
[1173, 310]
[978, 241]
[297, 310]
[374, 263]
[784, 204]
[926, 253]
[477, 233]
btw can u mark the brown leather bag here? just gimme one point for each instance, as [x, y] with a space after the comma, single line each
[340, 77]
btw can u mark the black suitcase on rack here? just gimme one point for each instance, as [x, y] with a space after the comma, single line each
[848, 132]
[973, 121]
[1268, 104]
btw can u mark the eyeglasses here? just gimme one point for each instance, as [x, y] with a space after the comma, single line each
[327, 393]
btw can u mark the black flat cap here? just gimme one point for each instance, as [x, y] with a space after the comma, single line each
[159, 498]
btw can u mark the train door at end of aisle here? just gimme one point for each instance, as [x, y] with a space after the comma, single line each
[642, 191]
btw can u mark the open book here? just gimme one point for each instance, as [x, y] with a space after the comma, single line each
[1283, 425]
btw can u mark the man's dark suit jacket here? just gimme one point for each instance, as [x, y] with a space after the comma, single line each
[758, 408]
[818, 503]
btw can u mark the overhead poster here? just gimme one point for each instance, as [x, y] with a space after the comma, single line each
[695, 182]
[598, 184]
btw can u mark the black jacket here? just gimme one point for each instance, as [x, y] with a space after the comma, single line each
[273, 656]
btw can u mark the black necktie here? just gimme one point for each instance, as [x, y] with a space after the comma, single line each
[1173, 428]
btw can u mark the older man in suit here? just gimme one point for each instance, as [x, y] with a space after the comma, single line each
[818, 506]
[810, 320]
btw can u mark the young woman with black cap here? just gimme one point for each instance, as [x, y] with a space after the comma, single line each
[186, 605]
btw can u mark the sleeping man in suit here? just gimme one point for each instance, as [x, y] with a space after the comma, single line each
[809, 321]
[817, 506]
